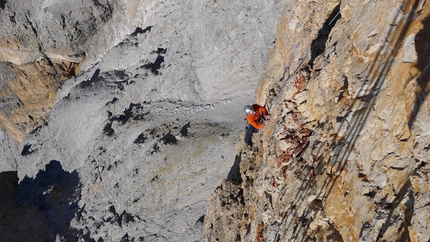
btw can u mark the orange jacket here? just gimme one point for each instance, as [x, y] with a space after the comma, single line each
[254, 119]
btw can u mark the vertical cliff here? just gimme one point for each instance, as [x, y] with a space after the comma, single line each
[345, 157]
[119, 118]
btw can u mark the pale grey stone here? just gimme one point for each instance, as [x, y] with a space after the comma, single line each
[148, 128]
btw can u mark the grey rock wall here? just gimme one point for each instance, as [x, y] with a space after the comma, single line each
[148, 126]
[9, 154]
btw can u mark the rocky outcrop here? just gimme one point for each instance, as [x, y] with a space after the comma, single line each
[346, 155]
[28, 93]
[43, 44]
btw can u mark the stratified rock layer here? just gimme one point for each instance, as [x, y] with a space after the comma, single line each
[346, 155]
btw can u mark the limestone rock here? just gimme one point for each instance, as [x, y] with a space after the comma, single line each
[120, 120]
[347, 90]
[125, 114]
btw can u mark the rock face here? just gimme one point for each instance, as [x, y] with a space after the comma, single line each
[119, 118]
[346, 157]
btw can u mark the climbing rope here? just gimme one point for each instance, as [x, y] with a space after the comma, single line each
[292, 58]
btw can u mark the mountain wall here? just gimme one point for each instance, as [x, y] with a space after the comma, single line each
[119, 118]
[123, 121]
[346, 156]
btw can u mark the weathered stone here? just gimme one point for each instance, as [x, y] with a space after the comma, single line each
[365, 88]
[141, 99]
[132, 146]
[409, 52]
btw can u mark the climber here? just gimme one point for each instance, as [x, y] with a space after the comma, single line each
[257, 116]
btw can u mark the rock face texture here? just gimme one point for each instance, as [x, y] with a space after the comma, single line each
[119, 118]
[346, 156]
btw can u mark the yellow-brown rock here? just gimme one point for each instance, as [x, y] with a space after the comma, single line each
[346, 156]
[28, 93]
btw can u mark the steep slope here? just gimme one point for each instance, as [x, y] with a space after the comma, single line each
[131, 146]
[346, 155]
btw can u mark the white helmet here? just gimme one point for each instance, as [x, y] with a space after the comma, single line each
[247, 109]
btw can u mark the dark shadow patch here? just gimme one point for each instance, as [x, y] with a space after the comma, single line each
[155, 148]
[200, 222]
[366, 225]
[161, 51]
[120, 74]
[67, 97]
[114, 100]
[9, 189]
[184, 129]
[94, 78]
[390, 220]
[169, 139]
[155, 66]
[133, 111]
[101, 150]
[234, 173]
[201, 219]
[140, 139]
[128, 113]
[407, 221]
[108, 130]
[318, 44]
[154, 179]
[3, 4]
[421, 47]
[125, 238]
[123, 118]
[50, 200]
[26, 150]
[370, 194]
[115, 78]
[140, 116]
[139, 30]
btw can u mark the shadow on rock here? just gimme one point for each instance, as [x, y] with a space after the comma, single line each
[421, 46]
[234, 173]
[40, 208]
[3, 4]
